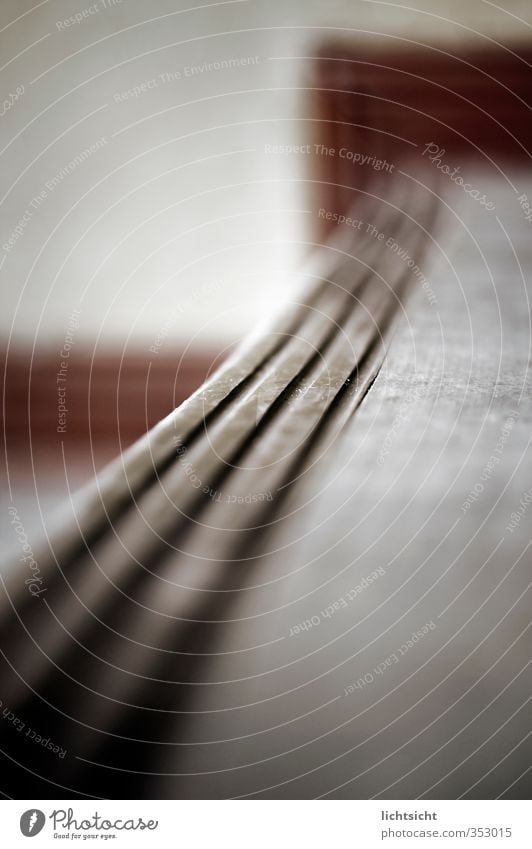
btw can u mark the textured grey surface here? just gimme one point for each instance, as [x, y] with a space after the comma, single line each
[423, 486]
